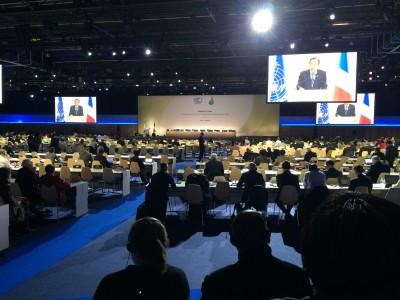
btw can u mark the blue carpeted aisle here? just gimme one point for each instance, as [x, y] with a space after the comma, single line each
[23, 263]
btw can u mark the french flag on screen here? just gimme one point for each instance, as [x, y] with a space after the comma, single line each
[344, 84]
[91, 112]
[367, 110]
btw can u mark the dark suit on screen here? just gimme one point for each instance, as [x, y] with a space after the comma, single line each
[320, 82]
[76, 112]
[341, 111]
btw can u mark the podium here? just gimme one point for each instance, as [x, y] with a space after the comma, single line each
[345, 120]
[76, 119]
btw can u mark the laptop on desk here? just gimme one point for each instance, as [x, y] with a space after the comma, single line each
[391, 180]
[344, 181]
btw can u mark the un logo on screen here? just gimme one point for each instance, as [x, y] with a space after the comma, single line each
[278, 86]
[197, 100]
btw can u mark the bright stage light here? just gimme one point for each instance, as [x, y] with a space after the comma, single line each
[262, 20]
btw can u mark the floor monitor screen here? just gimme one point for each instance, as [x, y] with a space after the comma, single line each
[360, 113]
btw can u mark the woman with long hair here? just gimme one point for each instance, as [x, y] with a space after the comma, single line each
[150, 277]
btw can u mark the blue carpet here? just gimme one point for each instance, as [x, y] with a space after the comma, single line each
[21, 264]
[195, 294]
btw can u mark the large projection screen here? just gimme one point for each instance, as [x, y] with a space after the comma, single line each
[360, 113]
[313, 77]
[246, 114]
[77, 109]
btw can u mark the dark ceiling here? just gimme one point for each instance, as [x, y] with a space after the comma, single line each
[197, 46]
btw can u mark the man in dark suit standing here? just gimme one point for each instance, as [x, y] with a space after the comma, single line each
[213, 167]
[76, 109]
[377, 168]
[201, 146]
[391, 153]
[312, 79]
[346, 110]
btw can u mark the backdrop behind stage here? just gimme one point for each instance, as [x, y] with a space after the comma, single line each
[246, 114]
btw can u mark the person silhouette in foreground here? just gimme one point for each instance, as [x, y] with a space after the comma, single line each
[257, 274]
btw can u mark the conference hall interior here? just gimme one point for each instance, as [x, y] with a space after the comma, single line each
[116, 114]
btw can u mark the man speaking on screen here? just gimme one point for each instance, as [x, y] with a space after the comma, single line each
[345, 110]
[76, 109]
[312, 79]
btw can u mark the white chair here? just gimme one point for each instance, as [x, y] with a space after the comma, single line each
[393, 195]
[288, 196]
[50, 197]
[194, 196]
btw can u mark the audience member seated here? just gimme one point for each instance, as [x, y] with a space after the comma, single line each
[257, 274]
[249, 180]
[351, 248]
[213, 167]
[150, 277]
[18, 211]
[137, 159]
[361, 179]
[4, 162]
[330, 171]
[262, 158]
[157, 193]
[286, 178]
[28, 182]
[313, 178]
[310, 203]
[377, 168]
[52, 155]
[309, 154]
[86, 156]
[103, 160]
[9, 148]
[60, 184]
[378, 153]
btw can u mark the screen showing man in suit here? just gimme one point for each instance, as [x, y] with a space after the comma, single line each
[312, 79]
[76, 109]
[346, 110]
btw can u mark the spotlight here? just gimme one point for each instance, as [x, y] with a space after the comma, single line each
[89, 53]
[262, 20]
[148, 51]
[292, 45]
[123, 52]
[151, 74]
[326, 45]
[114, 53]
[128, 74]
[332, 16]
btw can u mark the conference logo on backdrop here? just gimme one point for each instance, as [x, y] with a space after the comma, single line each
[211, 102]
[197, 100]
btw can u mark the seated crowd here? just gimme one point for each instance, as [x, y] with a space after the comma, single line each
[349, 241]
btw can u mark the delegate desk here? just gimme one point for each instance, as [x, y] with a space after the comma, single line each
[189, 134]
[240, 165]
[236, 192]
[156, 158]
[125, 174]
